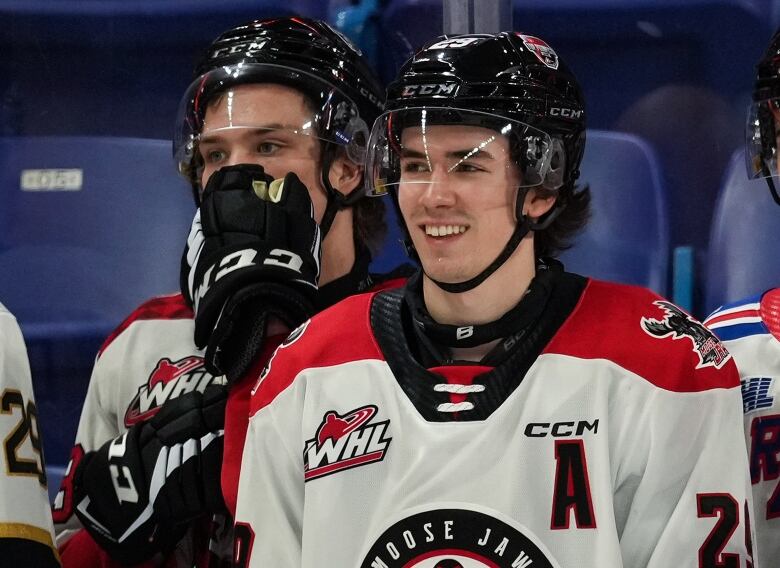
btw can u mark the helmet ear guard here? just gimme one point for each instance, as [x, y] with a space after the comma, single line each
[545, 162]
[357, 132]
[553, 170]
[556, 166]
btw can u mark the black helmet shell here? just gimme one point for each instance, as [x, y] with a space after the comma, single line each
[509, 74]
[300, 44]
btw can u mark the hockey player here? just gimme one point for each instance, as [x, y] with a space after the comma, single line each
[750, 328]
[270, 97]
[26, 532]
[497, 411]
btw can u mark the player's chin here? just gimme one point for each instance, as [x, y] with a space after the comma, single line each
[445, 270]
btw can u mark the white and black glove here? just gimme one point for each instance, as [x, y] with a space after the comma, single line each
[253, 251]
[138, 492]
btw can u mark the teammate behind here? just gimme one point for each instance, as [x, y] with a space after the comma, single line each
[498, 410]
[26, 532]
[270, 97]
[750, 328]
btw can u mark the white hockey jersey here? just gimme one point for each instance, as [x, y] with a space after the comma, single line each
[611, 438]
[751, 331]
[149, 359]
[26, 532]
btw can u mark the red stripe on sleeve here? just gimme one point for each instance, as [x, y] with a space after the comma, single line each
[607, 324]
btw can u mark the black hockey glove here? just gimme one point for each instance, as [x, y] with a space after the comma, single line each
[191, 432]
[136, 494]
[253, 252]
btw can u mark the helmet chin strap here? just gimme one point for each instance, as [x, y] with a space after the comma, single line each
[524, 225]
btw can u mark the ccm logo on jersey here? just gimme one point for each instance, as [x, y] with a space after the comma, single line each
[345, 441]
[677, 325]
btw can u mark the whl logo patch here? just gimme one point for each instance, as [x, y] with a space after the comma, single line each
[345, 441]
[169, 380]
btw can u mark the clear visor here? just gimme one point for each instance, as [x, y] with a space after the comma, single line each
[761, 140]
[260, 101]
[414, 148]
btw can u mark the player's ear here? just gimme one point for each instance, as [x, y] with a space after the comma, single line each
[538, 201]
[345, 175]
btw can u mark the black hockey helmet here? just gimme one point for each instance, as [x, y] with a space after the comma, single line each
[512, 83]
[761, 150]
[307, 55]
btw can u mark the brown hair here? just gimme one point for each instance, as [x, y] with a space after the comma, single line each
[556, 238]
[369, 226]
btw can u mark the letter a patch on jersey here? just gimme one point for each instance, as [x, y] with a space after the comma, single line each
[345, 441]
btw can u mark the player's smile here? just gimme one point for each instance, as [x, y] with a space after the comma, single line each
[442, 230]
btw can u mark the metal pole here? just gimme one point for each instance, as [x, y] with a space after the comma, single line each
[476, 16]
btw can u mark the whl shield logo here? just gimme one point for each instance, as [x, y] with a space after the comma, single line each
[346, 441]
[168, 380]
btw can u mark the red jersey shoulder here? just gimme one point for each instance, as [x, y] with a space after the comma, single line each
[646, 335]
[170, 307]
[340, 334]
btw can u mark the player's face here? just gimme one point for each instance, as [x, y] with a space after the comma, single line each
[263, 124]
[457, 192]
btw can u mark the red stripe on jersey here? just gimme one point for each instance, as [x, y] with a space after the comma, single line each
[237, 422]
[163, 307]
[340, 334]
[607, 324]
[734, 315]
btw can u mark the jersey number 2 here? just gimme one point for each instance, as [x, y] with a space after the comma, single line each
[726, 509]
[12, 402]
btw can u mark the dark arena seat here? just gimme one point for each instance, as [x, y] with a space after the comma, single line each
[627, 238]
[89, 228]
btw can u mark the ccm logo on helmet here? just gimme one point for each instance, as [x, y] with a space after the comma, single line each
[247, 46]
[565, 112]
[430, 89]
